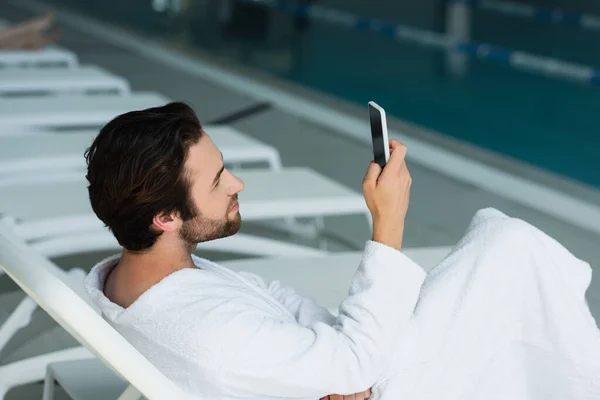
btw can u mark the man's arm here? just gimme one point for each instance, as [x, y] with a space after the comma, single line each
[275, 358]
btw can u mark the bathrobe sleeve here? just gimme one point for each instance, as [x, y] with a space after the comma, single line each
[269, 358]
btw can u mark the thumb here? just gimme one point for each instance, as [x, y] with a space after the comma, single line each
[372, 174]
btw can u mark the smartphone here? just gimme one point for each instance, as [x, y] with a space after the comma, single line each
[379, 134]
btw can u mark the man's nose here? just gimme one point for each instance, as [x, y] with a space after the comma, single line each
[237, 184]
[240, 185]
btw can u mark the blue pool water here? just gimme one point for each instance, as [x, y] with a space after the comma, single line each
[550, 123]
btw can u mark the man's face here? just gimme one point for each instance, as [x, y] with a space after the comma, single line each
[214, 191]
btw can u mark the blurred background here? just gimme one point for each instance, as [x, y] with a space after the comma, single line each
[496, 100]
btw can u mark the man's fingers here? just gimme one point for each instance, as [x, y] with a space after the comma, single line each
[373, 172]
[397, 155]
[358, 396]
[394, 143]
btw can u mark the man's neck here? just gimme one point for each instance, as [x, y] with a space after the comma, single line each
[159, 260]
[136, 272]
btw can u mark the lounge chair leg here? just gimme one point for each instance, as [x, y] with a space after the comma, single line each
[49, 386]
[319, 224]
[131, 393]
[19, 318]
[308, 230]
[34, 369]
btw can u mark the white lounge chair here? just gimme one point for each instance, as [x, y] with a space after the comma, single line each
[51, 205]
[48, 57]
[27, 114]
[325, 277]
[64, 151]
[18, 81]
[68, 308]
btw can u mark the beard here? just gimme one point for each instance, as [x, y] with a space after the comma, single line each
[202, 229]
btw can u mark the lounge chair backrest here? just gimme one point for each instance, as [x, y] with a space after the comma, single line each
[29, 270]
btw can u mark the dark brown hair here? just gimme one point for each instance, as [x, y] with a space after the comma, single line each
[135, 170]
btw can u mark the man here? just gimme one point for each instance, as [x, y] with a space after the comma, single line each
[159, 183]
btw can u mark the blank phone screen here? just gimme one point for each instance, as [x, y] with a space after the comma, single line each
[377, 136]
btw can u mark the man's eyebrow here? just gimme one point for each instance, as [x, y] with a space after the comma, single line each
[219, 173]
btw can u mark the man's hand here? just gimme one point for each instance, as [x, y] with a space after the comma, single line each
[387, 193]
[358, 396]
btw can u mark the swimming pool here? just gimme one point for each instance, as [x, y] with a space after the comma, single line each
[549, 123]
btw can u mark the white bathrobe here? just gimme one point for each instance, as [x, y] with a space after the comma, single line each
[502, 317]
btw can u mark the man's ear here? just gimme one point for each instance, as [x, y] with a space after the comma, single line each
[166, 222]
